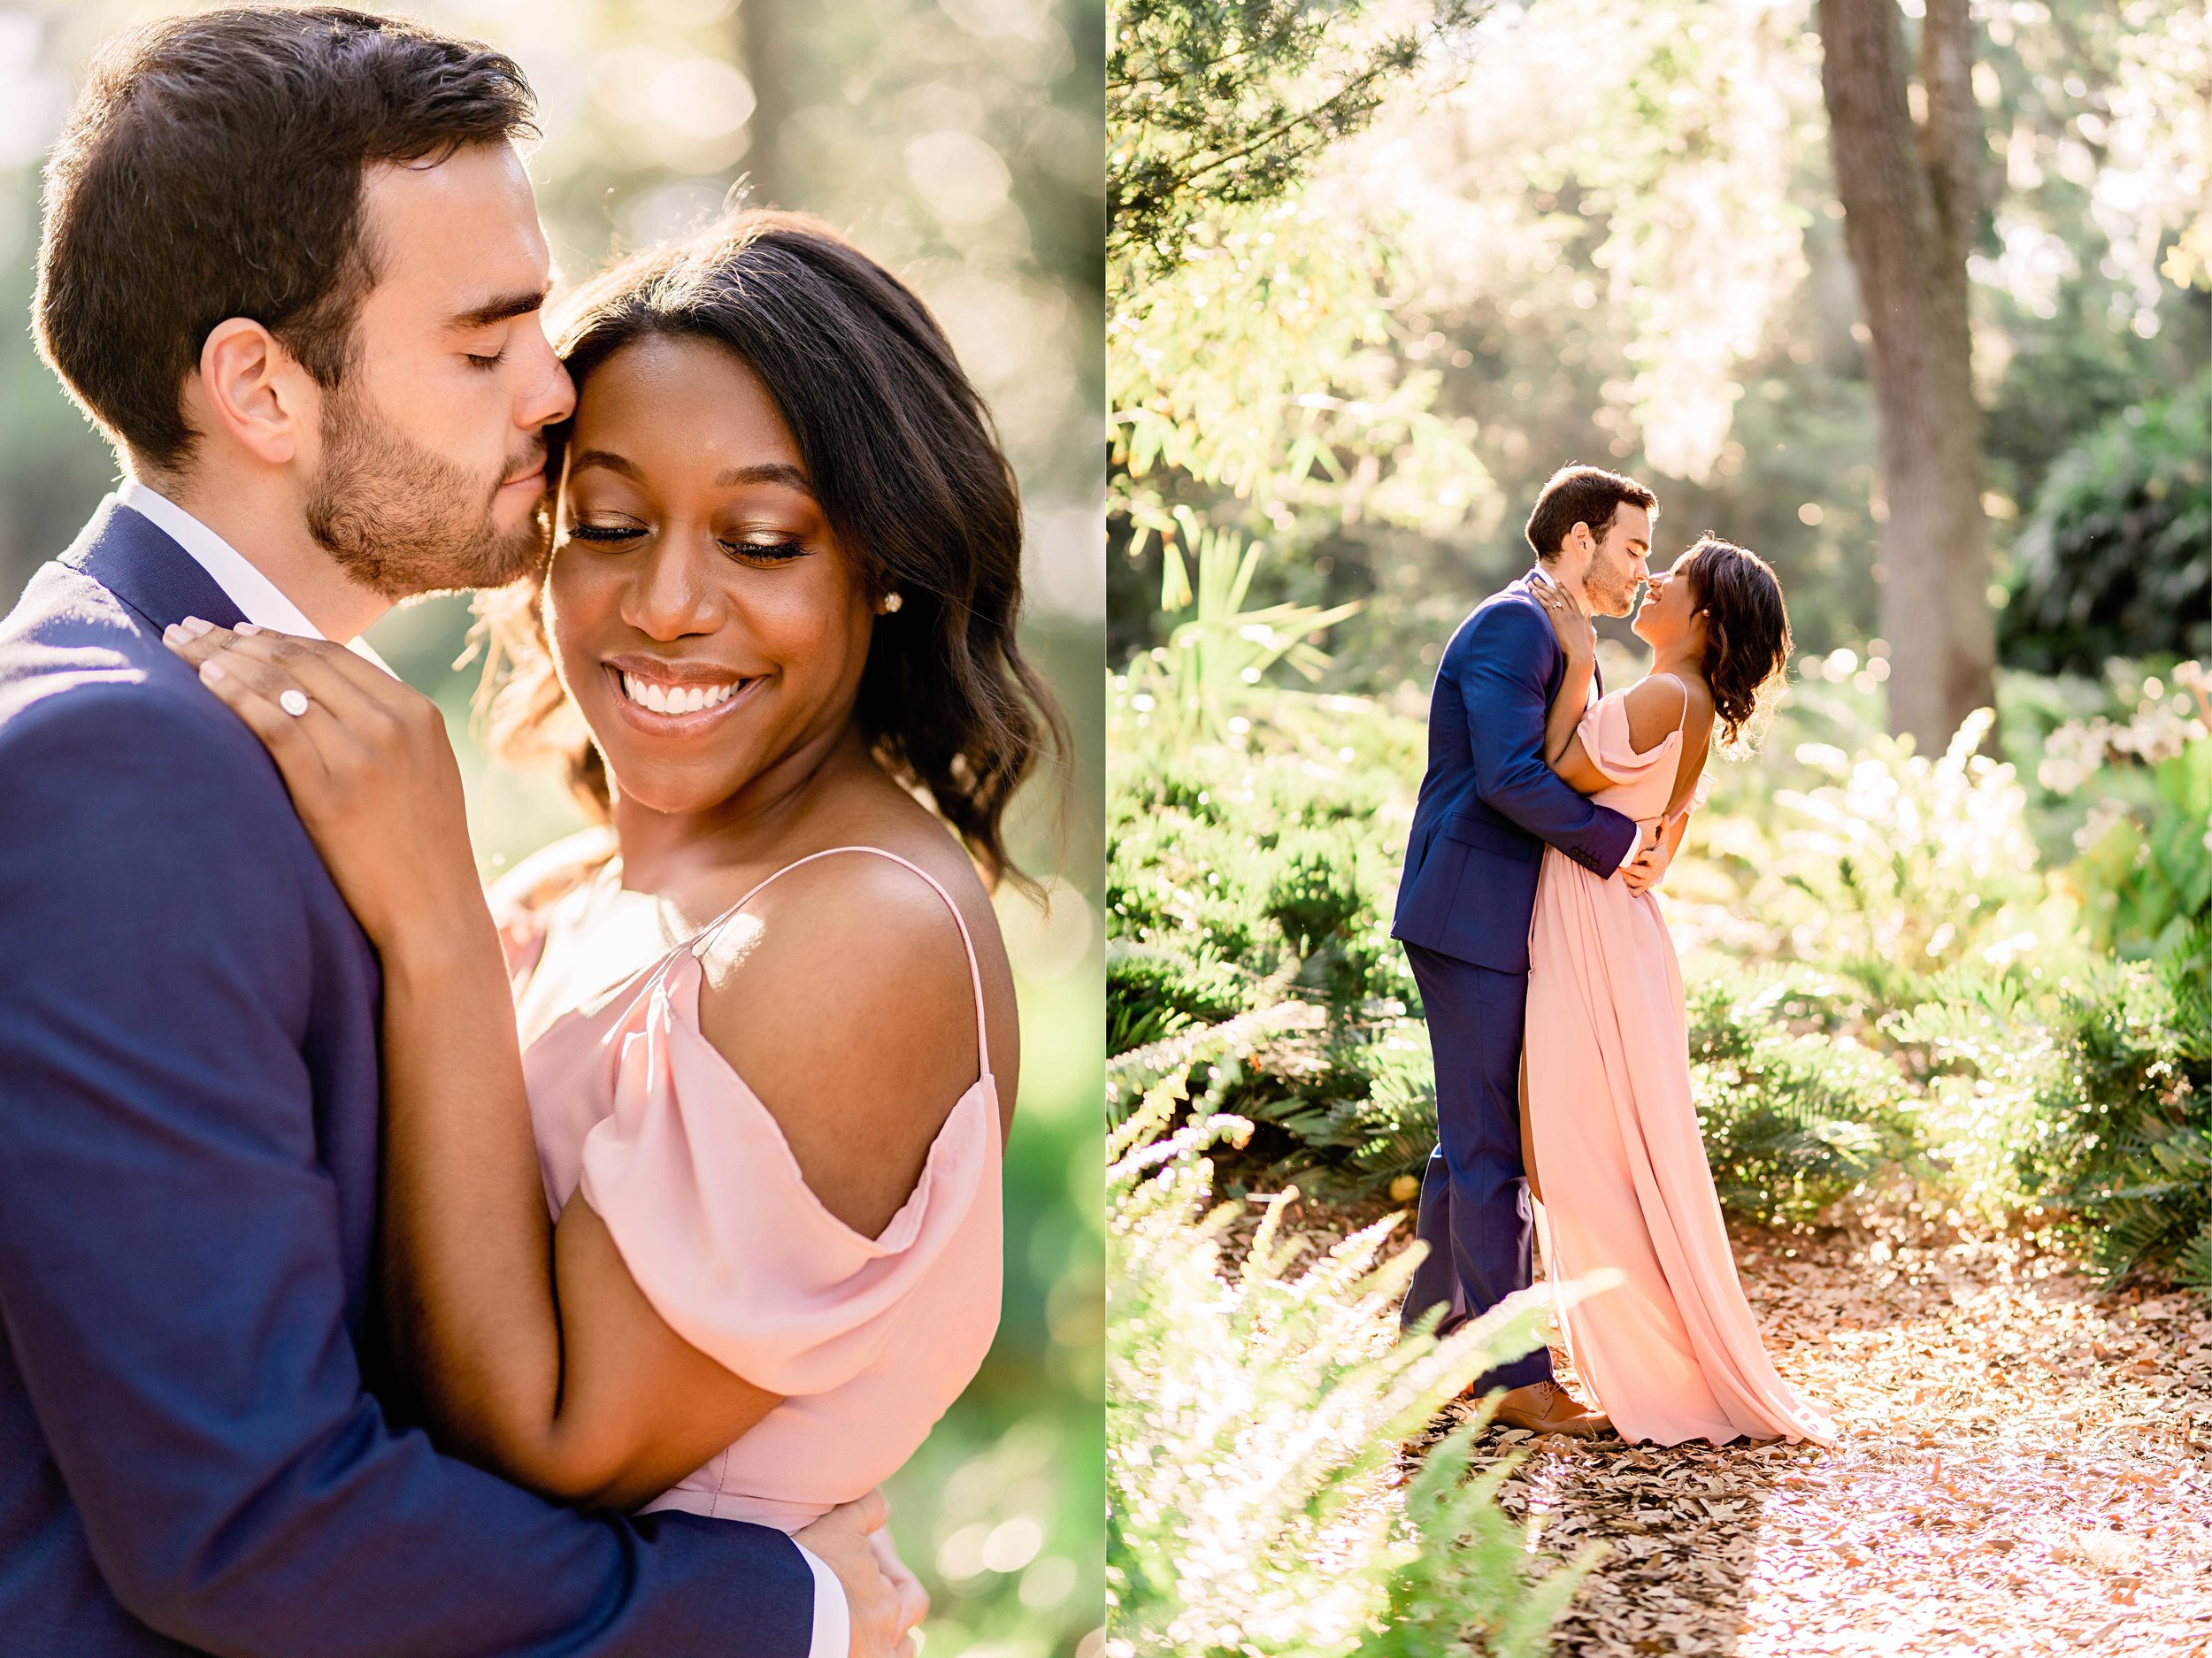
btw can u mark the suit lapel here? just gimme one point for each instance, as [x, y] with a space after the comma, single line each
[142, 566]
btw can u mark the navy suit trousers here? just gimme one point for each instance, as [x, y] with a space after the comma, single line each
[1475, 1215]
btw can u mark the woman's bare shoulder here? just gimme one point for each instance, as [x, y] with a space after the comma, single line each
[1656, 704]
[842, 996]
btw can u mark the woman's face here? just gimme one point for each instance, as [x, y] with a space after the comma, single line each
[1669, 611]
[703, 618]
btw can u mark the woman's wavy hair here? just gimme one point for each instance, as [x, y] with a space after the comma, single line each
[1747, 634]
[903, 458]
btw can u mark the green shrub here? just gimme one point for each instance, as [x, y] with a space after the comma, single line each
[2149, 885]
[1152, 993]
[1328, 920]
[1904, 865]
[1366, 1118]
[2131, 1103]
[1251, 1421]
[1791, 1123]
[1933, 1022]
[2112, 560]
[1467, 1575]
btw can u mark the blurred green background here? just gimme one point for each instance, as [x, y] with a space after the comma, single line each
[1580, 231]
[958, 142]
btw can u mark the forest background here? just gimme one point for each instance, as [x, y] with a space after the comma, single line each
[1915, 299]
[959, 144]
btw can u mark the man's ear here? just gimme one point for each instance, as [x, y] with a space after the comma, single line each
[251, 388]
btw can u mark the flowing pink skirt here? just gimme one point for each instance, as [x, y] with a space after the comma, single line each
[1673, 1353]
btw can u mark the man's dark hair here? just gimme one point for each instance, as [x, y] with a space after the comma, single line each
[1582, 495]
[212, 168]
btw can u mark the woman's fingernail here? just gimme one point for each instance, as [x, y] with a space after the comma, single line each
[192, 627]
[211, 670]
[172, 633]
[245, 627]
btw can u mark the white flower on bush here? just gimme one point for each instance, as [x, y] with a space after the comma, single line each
[2159, 729]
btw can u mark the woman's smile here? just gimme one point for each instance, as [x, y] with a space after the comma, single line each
[677, 699]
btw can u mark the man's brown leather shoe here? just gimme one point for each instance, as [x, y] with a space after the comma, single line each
[1545, 1406]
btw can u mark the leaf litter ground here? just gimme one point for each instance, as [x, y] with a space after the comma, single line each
[2025, 1466]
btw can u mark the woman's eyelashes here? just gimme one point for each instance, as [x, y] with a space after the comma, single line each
[770, 548]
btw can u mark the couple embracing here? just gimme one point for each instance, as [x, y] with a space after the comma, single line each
[1549, 812]
[388, 1268]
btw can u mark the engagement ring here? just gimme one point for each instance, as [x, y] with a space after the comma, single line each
[293, 702]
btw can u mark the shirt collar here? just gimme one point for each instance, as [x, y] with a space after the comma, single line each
[260, 599]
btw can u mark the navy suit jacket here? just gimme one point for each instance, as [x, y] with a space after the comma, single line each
[1488, 804]
[189, 1110]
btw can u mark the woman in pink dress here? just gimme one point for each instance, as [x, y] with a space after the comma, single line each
[1609, 1128]
[692, 1197]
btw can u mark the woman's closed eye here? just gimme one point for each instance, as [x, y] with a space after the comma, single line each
[776, 549]
[770, 548]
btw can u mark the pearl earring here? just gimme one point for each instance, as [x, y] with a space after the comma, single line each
[891, 604]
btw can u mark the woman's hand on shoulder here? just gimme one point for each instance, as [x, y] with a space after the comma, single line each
[842, 997]
[369, 767]
[1577, 634]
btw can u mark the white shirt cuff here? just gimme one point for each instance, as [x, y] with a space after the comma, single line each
[833, 1618]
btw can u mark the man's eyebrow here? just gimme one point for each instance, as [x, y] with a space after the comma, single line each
[500, 310]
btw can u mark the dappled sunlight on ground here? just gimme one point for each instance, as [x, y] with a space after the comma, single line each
[2026, 1469]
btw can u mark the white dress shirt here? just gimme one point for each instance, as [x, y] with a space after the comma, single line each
[261, 601]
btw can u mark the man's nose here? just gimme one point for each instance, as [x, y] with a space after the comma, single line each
[552, 394]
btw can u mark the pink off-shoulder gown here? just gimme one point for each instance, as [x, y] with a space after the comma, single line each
[1673, 1353]
[868, 1338]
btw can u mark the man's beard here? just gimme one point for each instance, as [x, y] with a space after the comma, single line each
[401, 521]
[1615, 602]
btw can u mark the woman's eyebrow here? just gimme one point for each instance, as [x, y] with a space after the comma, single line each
[767, 473]
[608, 458]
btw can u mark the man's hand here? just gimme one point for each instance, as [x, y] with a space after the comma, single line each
[883, 1608]
[1648, 867]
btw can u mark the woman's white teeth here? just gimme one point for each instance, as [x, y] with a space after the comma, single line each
[675, 699]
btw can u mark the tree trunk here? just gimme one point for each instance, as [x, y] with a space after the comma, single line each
[1909, 203]
[764, 52]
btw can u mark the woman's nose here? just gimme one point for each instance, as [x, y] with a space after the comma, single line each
[667, 599]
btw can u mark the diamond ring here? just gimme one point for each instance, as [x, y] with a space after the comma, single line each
[293, 702]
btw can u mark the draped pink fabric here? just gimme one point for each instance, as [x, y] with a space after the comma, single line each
[1673, 1353]
[870, 1339]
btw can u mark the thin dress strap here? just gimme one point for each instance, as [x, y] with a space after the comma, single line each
[1683, 719]
[698, 946]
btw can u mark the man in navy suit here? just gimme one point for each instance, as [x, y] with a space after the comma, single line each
[292, 267]
[1489, 806]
